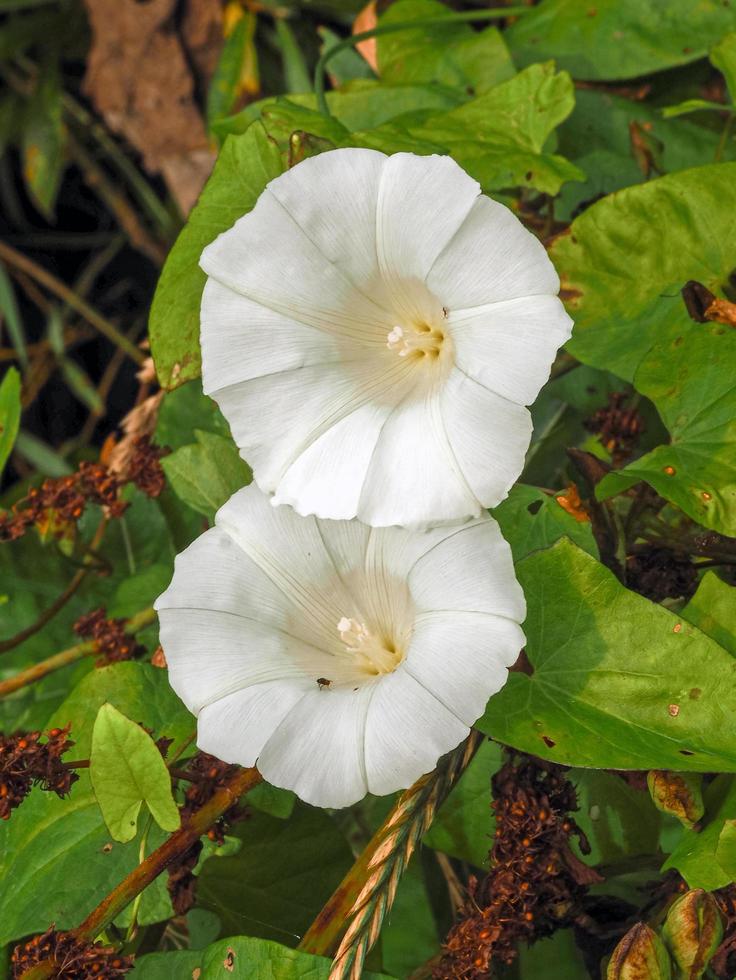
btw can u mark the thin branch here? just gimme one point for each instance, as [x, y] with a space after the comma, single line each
[156, 862]
[60, 289]
[48, 614]
[86, 649]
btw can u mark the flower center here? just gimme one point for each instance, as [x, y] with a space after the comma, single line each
[373, 655]
[416, 341]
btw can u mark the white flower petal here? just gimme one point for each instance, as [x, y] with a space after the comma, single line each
[422, 202]
[236, 728]
[509, 347]
[332, 197]
[242, 340]
[481, 579]
[414, 478]
[463, 658]
[491, 258]
[406, 732]
[276, 419]
[317, 750]
[489, 436]
[268, 258]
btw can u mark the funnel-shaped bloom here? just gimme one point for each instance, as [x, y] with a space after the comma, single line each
[372, 331]
[340, 658]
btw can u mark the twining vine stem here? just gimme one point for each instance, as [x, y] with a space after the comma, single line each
[495, 13]
[156, 862]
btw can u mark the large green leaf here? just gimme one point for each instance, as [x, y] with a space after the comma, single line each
[237, 958]
[500, 137]
[360, 104]
[692, 381]
[451, 54]
[618, 682]
[611, 39]
[531, 520]
[622, 286]
[58, 853]
[598, 138]
[244, 167]
[620, 822]
[713, 610]
[127, 770]
[9, 413]
[207, 473]
[280, 878]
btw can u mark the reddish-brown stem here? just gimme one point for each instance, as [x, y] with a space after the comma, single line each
[58, 603]
[44, 667]
[156, 862]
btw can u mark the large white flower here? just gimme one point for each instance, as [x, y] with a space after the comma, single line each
[372, 331]
[340, 658]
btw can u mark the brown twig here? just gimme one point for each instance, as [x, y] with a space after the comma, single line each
[156, 862]
[88, 648]
[60, 289]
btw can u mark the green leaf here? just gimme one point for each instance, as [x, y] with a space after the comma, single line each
[620, 306]
[531, 520]
[692, 381]
[224, 87]
[620, 822]
[296, 74]
[9, 413]
[453, 54]
[713, 610]
[58, 853]
[613, 39]
[499, 136]
[723, 57]
[244, 167]
[348, 64]
[409, 935]
[618, 682]
[691, 105]
[43, 140]
[555, 958]
[359, 105]
[9, 312]
[245, 958]
[280, 878]
[464, 825]
[272, 800]
[696, 856]
[597, 137]
[182, 963]
[127, 769]
[184, 410]
[207, 473]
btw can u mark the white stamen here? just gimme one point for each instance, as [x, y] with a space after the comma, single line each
[370, 653]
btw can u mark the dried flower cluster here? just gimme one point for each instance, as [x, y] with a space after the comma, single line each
[112, 642]
[57, 505]
[208, 775]
[618, 427]
[660, 573]
[723, 963]
[25, 761]
[535, 883]
[72, 958]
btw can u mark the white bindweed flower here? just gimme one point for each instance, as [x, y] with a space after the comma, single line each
[343, 659]
[372, 331]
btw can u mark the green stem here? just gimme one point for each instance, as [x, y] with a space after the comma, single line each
[466, 16]
[133, 927]
[724, 138]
